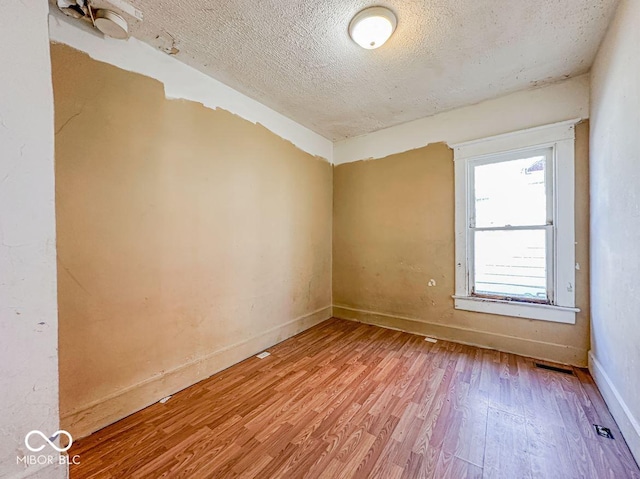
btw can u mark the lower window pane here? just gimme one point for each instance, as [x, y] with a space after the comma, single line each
[511, 264]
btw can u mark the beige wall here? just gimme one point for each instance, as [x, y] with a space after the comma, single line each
[394, 232]
[188, 239]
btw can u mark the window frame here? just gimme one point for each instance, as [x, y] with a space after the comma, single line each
[472, 163]
[560, 137]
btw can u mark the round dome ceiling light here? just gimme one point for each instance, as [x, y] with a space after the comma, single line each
[372, 27]
[111, 24]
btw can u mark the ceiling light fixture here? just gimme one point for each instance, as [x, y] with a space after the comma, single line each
[372, 27]
[111, 24]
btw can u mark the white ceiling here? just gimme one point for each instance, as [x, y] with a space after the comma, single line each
[296, 55]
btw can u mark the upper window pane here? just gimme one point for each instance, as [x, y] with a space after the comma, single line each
[511, 193]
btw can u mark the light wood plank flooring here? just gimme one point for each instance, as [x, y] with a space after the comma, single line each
[348, 400]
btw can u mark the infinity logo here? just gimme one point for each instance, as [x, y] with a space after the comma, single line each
[47, 440]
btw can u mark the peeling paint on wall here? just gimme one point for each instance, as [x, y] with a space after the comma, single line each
[195, 257]
[563, 100]
[183, 82]
[404, 204]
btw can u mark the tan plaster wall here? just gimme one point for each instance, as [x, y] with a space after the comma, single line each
[394, 232]
[188, 239]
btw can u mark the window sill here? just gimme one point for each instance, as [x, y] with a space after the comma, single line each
[543, 312]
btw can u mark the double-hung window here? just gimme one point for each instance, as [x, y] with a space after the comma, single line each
[515, 250]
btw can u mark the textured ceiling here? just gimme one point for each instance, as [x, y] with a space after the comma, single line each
[297, 57]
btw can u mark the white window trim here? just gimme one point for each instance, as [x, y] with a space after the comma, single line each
[561, 137]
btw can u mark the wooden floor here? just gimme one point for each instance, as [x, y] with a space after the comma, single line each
[345, 399]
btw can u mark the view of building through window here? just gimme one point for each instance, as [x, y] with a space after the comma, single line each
[511, 228]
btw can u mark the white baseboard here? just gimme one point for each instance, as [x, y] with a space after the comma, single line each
[558, 353]
[89, 418]
[629, 425]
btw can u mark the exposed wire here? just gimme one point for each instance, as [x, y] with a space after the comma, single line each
[93, 21]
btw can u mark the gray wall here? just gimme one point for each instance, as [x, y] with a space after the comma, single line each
[28, 306]
[615, 220]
